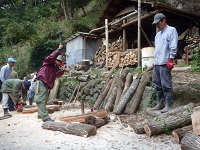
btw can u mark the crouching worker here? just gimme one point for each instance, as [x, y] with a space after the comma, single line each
[13, 88]
[51, 69]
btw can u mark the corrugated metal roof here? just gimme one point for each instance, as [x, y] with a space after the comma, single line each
[80, 34]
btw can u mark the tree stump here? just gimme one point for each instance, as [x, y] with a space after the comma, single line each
[180, 132]
[78, 129]
[190, 141]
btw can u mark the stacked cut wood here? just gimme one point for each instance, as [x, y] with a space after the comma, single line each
[193, 47]
[122, 89]
[128, 57]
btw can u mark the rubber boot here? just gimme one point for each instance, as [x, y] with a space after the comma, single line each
[6, 114]
[48, 120]
[160, 97]
[30, 103]
[168, 101]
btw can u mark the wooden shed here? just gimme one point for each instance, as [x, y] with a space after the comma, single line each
[122, 16]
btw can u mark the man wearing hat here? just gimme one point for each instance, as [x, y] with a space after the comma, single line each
[51, 69]
[166, 41]
[13, 88]
[4, 75]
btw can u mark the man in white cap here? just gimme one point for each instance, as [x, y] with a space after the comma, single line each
[6, 71]
[166, 42]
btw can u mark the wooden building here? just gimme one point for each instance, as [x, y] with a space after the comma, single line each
[122, 16]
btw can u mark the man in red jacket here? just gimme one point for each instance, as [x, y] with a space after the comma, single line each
[51, 69]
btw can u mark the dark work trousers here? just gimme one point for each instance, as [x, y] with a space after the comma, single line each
[162, 78]
[0, 92]
[11, 104]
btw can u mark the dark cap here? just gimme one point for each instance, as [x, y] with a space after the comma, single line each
[158, 17]
[27, 84]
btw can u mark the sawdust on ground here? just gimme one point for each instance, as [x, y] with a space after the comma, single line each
[24, 132]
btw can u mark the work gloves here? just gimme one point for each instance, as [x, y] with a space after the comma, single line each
[170, 64]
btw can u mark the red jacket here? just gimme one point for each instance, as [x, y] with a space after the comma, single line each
[49, 70]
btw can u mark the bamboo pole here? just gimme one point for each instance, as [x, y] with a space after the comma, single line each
[139, 33]
[124, 37]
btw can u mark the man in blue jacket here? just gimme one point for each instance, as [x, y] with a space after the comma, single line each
[166, 41]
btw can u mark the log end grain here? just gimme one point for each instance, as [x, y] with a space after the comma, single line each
[177, 139]
[147, 130]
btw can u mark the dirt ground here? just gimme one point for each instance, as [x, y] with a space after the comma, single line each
[24, 132]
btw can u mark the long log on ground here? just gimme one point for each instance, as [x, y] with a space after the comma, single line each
[190, 141]
[33, 110]
[139, 92]
[81, 118]
[111, 100]
[153, 113]
[196, 122]
[126, 98]
[129, 79]
[180, 132]
[102, 95]
[96, 121]
[167, 124]
[78, 129]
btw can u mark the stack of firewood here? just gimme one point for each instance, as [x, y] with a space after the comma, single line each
[129, 57]
[193, 47]
[123, 93]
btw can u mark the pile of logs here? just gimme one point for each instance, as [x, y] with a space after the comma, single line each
[127, 58]
[123, 93]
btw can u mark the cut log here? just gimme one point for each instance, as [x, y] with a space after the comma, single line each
[126, 98]
[83, 78]
[78, 129]
[139, 127]
[124, 74]
[102, 95]
[81, 118]
[139, 92]
[196, 122]
[180, 132]
[109, 92]
[117, 61]
[152, 113]
[167, 124]
[129, 79]
[54, 91]
[190, 141]
[120, 86]
[74, 92]
[33, 110]
[110, 103]
[96, 121]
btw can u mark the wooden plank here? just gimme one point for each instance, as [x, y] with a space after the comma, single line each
[81, 118]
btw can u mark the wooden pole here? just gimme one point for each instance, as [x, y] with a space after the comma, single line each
[106, 32]
[186, 56]
[139, 33]
[124, 37]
